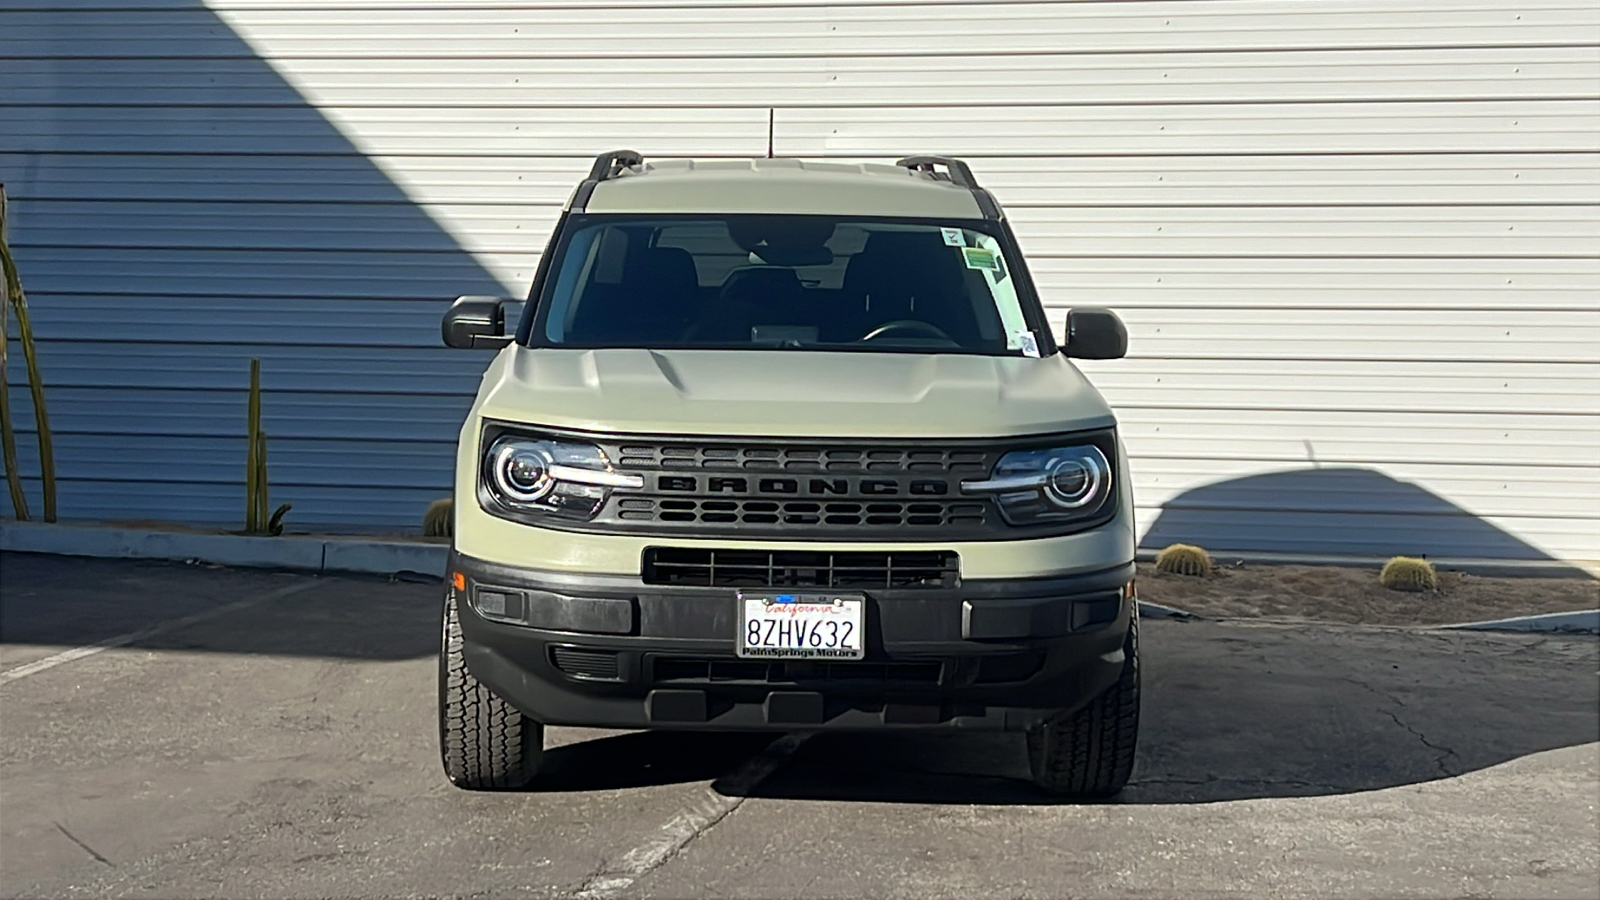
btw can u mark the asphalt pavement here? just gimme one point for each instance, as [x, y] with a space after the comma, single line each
[187, 731]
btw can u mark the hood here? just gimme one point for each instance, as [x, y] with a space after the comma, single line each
[789, 393]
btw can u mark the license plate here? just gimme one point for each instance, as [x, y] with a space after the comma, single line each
[779, 625]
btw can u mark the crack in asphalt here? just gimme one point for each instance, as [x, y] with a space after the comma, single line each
[86, 848]
[1444, 752]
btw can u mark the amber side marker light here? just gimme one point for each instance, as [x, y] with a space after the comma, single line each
[459, 580]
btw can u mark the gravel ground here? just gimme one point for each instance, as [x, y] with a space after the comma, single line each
[1353, 595]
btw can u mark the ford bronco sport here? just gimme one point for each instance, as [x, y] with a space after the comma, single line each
[787, 445]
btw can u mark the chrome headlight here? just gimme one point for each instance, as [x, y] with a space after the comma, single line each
[546, 476]
[1051, 485]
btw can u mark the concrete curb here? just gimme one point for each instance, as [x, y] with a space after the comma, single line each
[1552, 568]
[1582, 621]
[1150, 610]
[305, 553]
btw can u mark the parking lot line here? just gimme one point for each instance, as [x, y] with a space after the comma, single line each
[711, 807]
[122, 640]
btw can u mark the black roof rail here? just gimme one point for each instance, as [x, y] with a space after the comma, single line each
[606, 166]
[957, 173]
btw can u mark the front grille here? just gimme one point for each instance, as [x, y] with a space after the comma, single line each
[700, 669]
[802, 489]
[860, 570]
[579, 662]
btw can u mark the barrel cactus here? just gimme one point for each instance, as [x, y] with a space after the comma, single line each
[1184, 559]
[439, 520]
[1405, 573]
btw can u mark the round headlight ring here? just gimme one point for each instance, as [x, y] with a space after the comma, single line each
[1075, 481]
[522, 471]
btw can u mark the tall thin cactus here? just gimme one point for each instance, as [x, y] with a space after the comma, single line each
[18, 302]
[8, 437]
[254, 464]
[256, 518]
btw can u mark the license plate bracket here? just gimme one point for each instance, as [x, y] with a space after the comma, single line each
[820, 625]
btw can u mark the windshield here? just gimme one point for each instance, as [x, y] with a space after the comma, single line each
[750, 281]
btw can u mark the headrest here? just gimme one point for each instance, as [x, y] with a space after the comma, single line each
[763, 285]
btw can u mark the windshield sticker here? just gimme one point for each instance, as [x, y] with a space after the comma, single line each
[1030, 344]
[979, 258]
[953, 237]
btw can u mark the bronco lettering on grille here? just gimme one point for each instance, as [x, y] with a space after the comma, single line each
[878, 487]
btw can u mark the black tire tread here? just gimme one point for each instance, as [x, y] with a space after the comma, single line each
[1090, 753]
[485, 743]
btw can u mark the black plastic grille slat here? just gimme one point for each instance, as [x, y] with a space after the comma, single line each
[711, 669]
[583, 663]
[860, 570]
[641, 456]
[802, 512]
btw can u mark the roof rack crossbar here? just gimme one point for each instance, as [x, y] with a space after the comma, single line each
[606, 166]
[610, 165]
[958, 172]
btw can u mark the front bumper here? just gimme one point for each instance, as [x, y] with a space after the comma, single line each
[614, 652]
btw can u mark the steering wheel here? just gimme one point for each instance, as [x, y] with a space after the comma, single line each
[913, 326]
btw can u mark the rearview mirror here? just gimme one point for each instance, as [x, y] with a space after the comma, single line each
[477, 322]
[1095, 333]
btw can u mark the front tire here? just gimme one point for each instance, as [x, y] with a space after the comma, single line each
[486, 744]
[1089, 753]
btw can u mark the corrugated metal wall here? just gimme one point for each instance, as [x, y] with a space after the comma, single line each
[1355, 242]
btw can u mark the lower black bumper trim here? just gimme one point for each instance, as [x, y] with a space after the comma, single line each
[617, 653]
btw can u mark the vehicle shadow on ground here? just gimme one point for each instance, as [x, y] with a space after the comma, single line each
[1231, 712]
[55, 602]
[1235, 712]
[645, 758]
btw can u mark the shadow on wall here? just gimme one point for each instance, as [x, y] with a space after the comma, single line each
[1330, 512]
[178, 208]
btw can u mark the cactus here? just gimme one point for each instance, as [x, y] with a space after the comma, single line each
[1404, 573]
[275, 523]
[1184, 559]
[439, 520]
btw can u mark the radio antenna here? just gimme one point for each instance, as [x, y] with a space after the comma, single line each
[772, 116]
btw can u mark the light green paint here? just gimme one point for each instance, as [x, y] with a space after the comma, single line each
[776, 393]
[782, 186]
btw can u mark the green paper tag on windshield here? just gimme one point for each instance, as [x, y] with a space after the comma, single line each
[979, 258]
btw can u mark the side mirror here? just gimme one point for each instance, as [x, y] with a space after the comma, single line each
[476, 322]
[1095, 333]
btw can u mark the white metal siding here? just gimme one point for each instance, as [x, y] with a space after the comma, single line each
[1355, 242]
